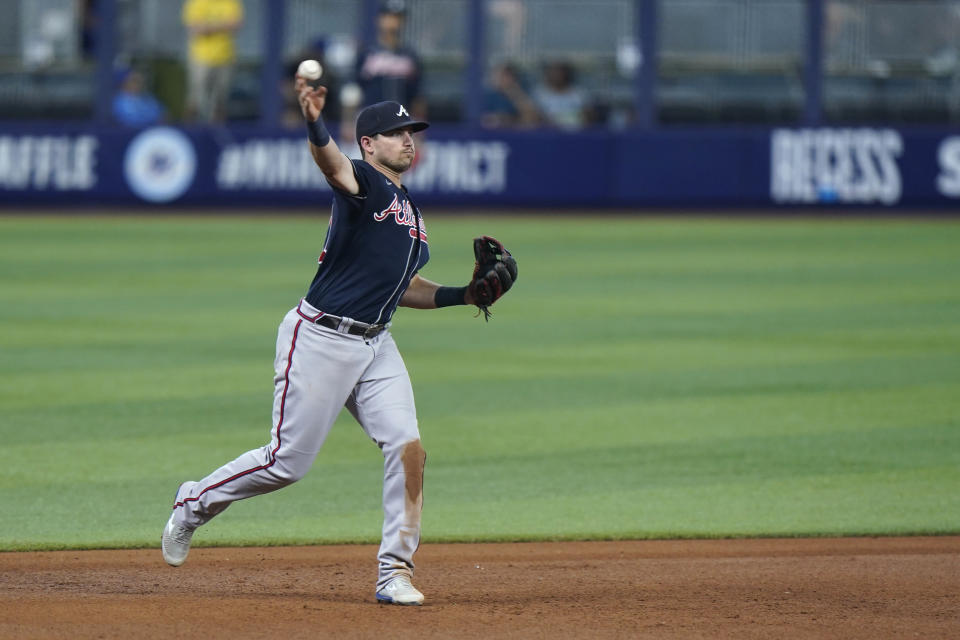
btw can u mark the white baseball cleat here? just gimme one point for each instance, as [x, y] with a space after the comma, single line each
[175, 543]
[400, 591]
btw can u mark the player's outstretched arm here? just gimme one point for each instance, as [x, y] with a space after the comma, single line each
[335, 165]
[422, 294]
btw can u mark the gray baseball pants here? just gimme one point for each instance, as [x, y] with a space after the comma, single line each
[319, 371]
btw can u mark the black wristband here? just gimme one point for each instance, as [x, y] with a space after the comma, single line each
[449, 296]
[317, 132]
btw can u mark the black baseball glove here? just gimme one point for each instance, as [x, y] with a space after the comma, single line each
[493, 275]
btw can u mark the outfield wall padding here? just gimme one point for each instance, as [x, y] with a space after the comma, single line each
[710, 168]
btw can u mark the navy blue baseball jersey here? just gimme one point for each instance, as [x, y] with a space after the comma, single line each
[375, 244]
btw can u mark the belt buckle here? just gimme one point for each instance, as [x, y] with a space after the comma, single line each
[372, 331]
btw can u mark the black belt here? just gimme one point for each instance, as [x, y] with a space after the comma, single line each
[356, 329]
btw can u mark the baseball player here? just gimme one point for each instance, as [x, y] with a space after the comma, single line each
[334, 349]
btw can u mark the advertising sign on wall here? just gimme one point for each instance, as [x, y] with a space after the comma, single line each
[709, 168]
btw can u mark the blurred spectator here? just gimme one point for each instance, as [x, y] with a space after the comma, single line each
[211, 26]
[389, 70]
[89, 23]
[561, 102]
[132, 105]
[506, 102]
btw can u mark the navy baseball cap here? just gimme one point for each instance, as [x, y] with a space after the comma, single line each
[385, 116]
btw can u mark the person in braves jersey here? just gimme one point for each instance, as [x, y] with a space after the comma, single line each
[388, 69]
[334, 348]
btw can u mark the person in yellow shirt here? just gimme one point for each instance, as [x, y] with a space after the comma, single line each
[211, 26]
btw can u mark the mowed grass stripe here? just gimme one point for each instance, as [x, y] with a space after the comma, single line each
[647, 378]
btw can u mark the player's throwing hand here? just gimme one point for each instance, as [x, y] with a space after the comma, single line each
[311, 99]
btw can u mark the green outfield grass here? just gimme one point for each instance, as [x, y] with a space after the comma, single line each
[645, 378]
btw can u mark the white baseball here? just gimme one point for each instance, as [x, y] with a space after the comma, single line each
[310, 70]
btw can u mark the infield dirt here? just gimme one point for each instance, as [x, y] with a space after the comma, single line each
[767, 588]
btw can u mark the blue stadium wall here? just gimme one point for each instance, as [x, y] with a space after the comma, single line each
[707, 169]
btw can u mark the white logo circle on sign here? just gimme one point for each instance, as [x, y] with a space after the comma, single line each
[160, 164]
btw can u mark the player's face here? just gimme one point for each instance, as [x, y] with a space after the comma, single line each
[394, 149]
